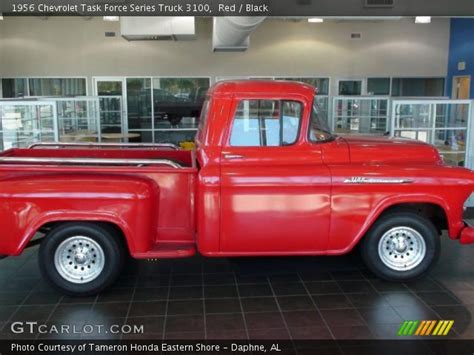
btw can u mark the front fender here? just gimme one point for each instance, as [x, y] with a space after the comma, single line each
[347, 234]
[356, 206]
[454, 228]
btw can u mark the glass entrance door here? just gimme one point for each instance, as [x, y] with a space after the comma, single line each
[112, 99]
[461, 87]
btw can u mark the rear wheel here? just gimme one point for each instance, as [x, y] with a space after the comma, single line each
[81, 259]
[401, 246]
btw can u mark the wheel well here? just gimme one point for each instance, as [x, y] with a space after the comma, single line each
[111, 227]
[431, 211]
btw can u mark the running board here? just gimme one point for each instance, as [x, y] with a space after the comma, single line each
[168, 251]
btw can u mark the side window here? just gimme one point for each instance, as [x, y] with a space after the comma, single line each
[266, 123]
[318, 126]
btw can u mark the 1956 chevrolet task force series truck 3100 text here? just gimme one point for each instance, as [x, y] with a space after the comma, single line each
[267, 178]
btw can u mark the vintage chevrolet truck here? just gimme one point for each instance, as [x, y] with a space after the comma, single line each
[267, 177]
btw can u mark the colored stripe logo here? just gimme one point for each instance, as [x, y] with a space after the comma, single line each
[425, 328]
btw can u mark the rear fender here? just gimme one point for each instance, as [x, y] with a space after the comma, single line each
[30, 202]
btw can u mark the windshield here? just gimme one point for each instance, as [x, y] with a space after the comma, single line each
[319, 127]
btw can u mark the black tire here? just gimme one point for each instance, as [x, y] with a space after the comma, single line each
[113, 252]
[370, 245]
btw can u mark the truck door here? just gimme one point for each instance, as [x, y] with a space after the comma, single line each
[275, 190]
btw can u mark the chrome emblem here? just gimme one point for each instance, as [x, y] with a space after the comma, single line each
[365, 180]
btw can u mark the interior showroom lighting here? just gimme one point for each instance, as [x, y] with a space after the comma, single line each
[111, 18]
[315, 20]
[423, 19]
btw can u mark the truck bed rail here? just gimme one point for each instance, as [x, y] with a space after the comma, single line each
[104, 145]
[88, 161]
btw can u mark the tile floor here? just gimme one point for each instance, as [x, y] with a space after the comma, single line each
[257, 298]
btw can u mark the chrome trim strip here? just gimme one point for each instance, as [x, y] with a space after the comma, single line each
[139, 162]
[107, 145]
[368, 180]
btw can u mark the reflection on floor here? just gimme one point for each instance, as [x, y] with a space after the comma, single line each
[258, 298]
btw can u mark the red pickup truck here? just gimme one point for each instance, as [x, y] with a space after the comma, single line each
[267, 178]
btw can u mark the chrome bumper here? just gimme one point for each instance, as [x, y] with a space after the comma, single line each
[467, 234]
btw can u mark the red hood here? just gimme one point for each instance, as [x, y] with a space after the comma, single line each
[370, 149]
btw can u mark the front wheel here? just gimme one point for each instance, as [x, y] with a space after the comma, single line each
[81, 259]
[401, 246]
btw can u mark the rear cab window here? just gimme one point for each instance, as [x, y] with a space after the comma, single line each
[203, 118]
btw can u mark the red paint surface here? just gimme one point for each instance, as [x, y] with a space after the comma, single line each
[290, 200]
[467, 235]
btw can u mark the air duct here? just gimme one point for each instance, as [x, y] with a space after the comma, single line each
[157, 28]
[231, 34]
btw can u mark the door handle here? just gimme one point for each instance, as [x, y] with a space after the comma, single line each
[233, 156]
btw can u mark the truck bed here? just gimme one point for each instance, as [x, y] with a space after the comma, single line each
[89, 156]
[146, 192]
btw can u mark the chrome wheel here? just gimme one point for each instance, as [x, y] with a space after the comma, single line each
[79, 259]
[402, 248]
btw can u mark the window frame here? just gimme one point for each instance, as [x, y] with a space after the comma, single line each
[236, 104]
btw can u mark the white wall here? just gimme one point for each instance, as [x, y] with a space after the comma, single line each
[69, 46]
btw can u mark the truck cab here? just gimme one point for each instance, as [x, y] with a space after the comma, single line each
[257, 139]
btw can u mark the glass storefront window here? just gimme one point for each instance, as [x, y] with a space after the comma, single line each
[57, 87]
[46, 115]
[378, 86]
[413, 87]
[177, 102]
[261, 78]
[452, 115]
[109, 88]
[321, 84]
[12, 88]
[365, 115]
[227, 78]
[350, 87]
[24, 123]
[111, 114]
[139, 103]
[137, 136]
[77, 119]
[441, 123]
[414, 116]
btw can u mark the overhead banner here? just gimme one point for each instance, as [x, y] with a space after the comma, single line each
[238, 8]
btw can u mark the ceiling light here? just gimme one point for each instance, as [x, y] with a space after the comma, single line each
[315, 20]
[423, 19]
[111, 18]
